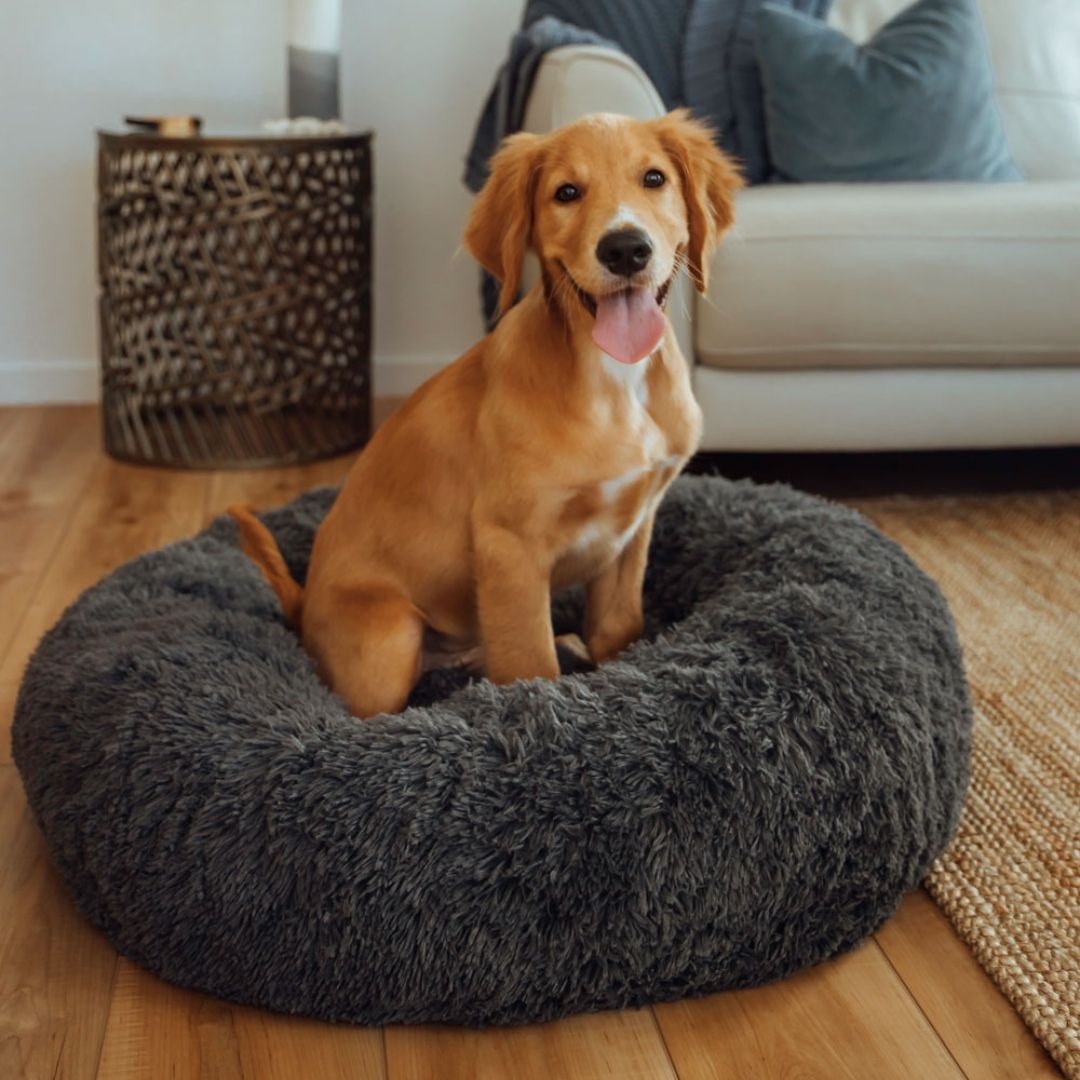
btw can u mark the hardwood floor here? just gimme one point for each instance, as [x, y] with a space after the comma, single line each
[911, 1003]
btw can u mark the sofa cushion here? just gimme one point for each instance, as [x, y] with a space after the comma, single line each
[855, 275]
[721, 81]
[1035, 54]
[916, 102]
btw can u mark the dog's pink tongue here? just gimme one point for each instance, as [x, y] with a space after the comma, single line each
[629, 324]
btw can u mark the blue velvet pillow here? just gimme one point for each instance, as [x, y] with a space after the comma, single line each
[721, 82]
[916, 102]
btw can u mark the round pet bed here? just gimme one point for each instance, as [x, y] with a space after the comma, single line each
[748, 790]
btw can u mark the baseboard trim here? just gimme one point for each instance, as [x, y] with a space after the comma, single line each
[64, 382]
[48, 382]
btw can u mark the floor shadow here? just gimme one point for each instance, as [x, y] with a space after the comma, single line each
[938, 472]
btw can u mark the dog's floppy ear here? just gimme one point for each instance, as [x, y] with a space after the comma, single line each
[709, 179]
[500, 223]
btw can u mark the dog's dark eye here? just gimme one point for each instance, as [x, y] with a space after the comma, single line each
[653, 178]
[568, 193]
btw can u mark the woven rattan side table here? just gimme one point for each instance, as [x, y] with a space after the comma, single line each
[235, 305]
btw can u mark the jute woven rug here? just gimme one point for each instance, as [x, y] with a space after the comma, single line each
[1010, 881]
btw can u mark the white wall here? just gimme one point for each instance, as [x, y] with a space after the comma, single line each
[69, 67]
[416, 73]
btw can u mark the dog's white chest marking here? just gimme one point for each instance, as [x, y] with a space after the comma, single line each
[604, 536]
[592, 534]
[633, 378]
[610, 489]
[600, 541]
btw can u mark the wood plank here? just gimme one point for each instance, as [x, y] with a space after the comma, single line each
[155, 1030]
[266, 488]
[22, 425]
[12, 809]
[46, 460]
[846, 1019]
[14, 422]
[125, 511]
[290, 1047]
[972, 1017]
[57, 972]
[624, 1045]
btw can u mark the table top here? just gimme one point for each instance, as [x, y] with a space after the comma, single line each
[224, 140]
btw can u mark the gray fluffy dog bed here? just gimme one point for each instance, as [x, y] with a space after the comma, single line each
[749, 790]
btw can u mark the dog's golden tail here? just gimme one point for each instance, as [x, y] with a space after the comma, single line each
[261, 548]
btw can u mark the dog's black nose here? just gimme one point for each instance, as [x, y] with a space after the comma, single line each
[624, 252]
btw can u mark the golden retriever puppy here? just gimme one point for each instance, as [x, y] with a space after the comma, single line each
[536, 460]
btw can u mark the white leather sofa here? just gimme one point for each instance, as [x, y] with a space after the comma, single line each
[889, 316]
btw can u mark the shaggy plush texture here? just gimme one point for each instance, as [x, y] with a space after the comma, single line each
[749, 790]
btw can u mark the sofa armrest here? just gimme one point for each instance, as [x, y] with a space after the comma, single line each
[578, 79]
